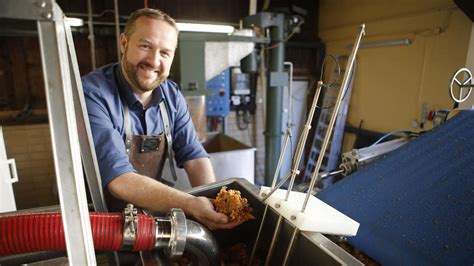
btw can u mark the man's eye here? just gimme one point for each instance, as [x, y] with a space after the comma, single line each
[144, 46]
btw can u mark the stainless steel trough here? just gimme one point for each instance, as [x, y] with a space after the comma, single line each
[309, 249]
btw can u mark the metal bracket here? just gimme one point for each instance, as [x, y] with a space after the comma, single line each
[31, 10]
[130, 227]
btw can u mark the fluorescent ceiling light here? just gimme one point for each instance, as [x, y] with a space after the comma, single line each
[196, 27]
[75, 22]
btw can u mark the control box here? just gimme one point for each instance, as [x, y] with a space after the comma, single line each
[218, 100]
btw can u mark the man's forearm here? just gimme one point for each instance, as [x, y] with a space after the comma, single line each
[148, 193]
[199, 171]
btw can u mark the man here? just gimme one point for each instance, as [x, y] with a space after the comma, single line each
[130, 106]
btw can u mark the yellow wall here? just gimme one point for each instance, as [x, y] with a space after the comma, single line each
[392, 83]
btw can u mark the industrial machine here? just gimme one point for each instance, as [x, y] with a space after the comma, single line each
[414, 206]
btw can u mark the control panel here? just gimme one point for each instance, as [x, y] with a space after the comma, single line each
[218, 103]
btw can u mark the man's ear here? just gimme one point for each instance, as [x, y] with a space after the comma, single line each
[123, 42]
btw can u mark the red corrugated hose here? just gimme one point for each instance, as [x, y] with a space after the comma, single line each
[34, 232]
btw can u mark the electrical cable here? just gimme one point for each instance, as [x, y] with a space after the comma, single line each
[406, 132]
[327, 86]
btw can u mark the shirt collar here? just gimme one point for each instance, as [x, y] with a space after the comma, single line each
[130, 98]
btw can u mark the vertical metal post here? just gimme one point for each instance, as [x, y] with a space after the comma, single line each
[117, 28]
[91, 33]
[273, 131]
[65, 140]
[88, 154]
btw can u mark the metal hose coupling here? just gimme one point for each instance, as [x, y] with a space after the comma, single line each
[170, 233]
[144, 232]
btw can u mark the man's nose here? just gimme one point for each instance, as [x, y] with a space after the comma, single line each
[155, 59]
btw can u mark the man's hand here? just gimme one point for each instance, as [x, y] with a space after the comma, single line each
[203, 211]
[150, 194]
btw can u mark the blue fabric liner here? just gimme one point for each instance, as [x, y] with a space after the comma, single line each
[416, 205]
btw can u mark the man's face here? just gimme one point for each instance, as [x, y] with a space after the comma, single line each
[148, 53]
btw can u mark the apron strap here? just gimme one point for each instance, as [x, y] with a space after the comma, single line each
[126, 112]
[169, 140]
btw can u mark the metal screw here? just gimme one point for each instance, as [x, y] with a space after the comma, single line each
[264, 194]
[277, 205]
[292, 217]
[41, 4]
[46, 15]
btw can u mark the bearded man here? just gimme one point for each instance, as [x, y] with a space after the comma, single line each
[138, 117]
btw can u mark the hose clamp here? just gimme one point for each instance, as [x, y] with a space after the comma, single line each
[130, 227]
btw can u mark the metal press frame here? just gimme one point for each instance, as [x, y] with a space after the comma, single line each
[69, 124]
[294, 171]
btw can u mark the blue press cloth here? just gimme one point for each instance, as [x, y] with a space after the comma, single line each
[416, 205]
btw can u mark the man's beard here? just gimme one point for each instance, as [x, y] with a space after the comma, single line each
[131, 71]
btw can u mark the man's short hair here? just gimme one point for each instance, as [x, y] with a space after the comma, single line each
[147, 12]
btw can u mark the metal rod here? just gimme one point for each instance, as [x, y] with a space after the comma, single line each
[301, 143]
[275, 177]
[117, 28]
[314, 176]
[282, 181]
[282, 154]
[257, 239]
[274, 239]
[290, 247]
[344, 86]
[296, 163]
[290, 90]
[335, 172]
[91, 33]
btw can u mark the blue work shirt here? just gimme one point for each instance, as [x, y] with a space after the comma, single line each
[107, 121]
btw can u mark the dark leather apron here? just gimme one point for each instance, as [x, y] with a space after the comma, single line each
[147, 154]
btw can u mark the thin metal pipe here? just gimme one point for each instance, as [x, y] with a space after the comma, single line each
[290, 90]
[282, 154]
[303, 138]
[117, 28]
[290, 248]
[301, 144]
[275, 177]
[257, 239]
[344, 86]
[296, 163]
[282, 181]
[91, 33]
[274, 238]
[314, 176]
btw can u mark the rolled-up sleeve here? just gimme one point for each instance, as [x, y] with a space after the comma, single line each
[109, 145]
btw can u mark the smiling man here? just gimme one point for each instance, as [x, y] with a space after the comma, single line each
[138, 117]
